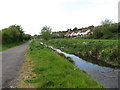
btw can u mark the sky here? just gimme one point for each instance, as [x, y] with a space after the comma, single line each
[60, 15]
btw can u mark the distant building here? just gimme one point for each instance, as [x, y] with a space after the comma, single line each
[78, 33]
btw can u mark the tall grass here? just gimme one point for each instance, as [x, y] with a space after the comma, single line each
[54, 71]
[99, 50]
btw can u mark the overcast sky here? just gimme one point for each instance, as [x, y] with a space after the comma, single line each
[32, 15]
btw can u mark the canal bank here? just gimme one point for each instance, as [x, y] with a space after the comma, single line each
[107, 76]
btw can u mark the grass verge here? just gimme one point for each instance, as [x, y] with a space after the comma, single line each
[26, 73]
[4, 47]
[53, 71]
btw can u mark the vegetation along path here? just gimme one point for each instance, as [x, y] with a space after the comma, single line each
[47, 69]
[11, 63]
[100, 67]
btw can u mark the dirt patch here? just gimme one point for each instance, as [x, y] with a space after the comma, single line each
[25, 73]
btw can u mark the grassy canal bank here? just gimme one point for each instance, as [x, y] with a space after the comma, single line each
[50, 70]
[104, 52]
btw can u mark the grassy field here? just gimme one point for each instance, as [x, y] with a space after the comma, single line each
[8, 46]
[90, 49]
[53, 71]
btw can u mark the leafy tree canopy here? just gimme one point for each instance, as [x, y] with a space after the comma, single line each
[46, 33]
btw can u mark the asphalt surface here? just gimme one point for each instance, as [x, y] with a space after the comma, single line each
[12, 60]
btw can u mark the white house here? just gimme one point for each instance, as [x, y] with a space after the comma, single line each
[71, 34]
[81, 33]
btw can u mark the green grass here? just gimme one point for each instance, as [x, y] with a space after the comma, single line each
[54, 71]
[94, 49]
[0, 47]
[4, 47]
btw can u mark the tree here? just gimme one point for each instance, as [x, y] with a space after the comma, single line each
[46, 33]
[68, 30]
[106, 22]
[27, 36]
[97, 32]
[12, 34]
[75, 29]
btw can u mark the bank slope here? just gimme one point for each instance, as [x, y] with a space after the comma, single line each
[53, 71]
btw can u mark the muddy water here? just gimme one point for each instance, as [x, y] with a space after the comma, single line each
[106, 76]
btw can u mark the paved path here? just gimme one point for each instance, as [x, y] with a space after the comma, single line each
[12, 60]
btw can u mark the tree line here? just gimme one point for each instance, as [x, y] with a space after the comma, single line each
[107, 30]
[13, 33]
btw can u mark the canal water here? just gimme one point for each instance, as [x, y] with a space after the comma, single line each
[106, 76]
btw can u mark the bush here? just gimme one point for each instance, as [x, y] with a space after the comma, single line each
[14, 34]
[108, 31]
